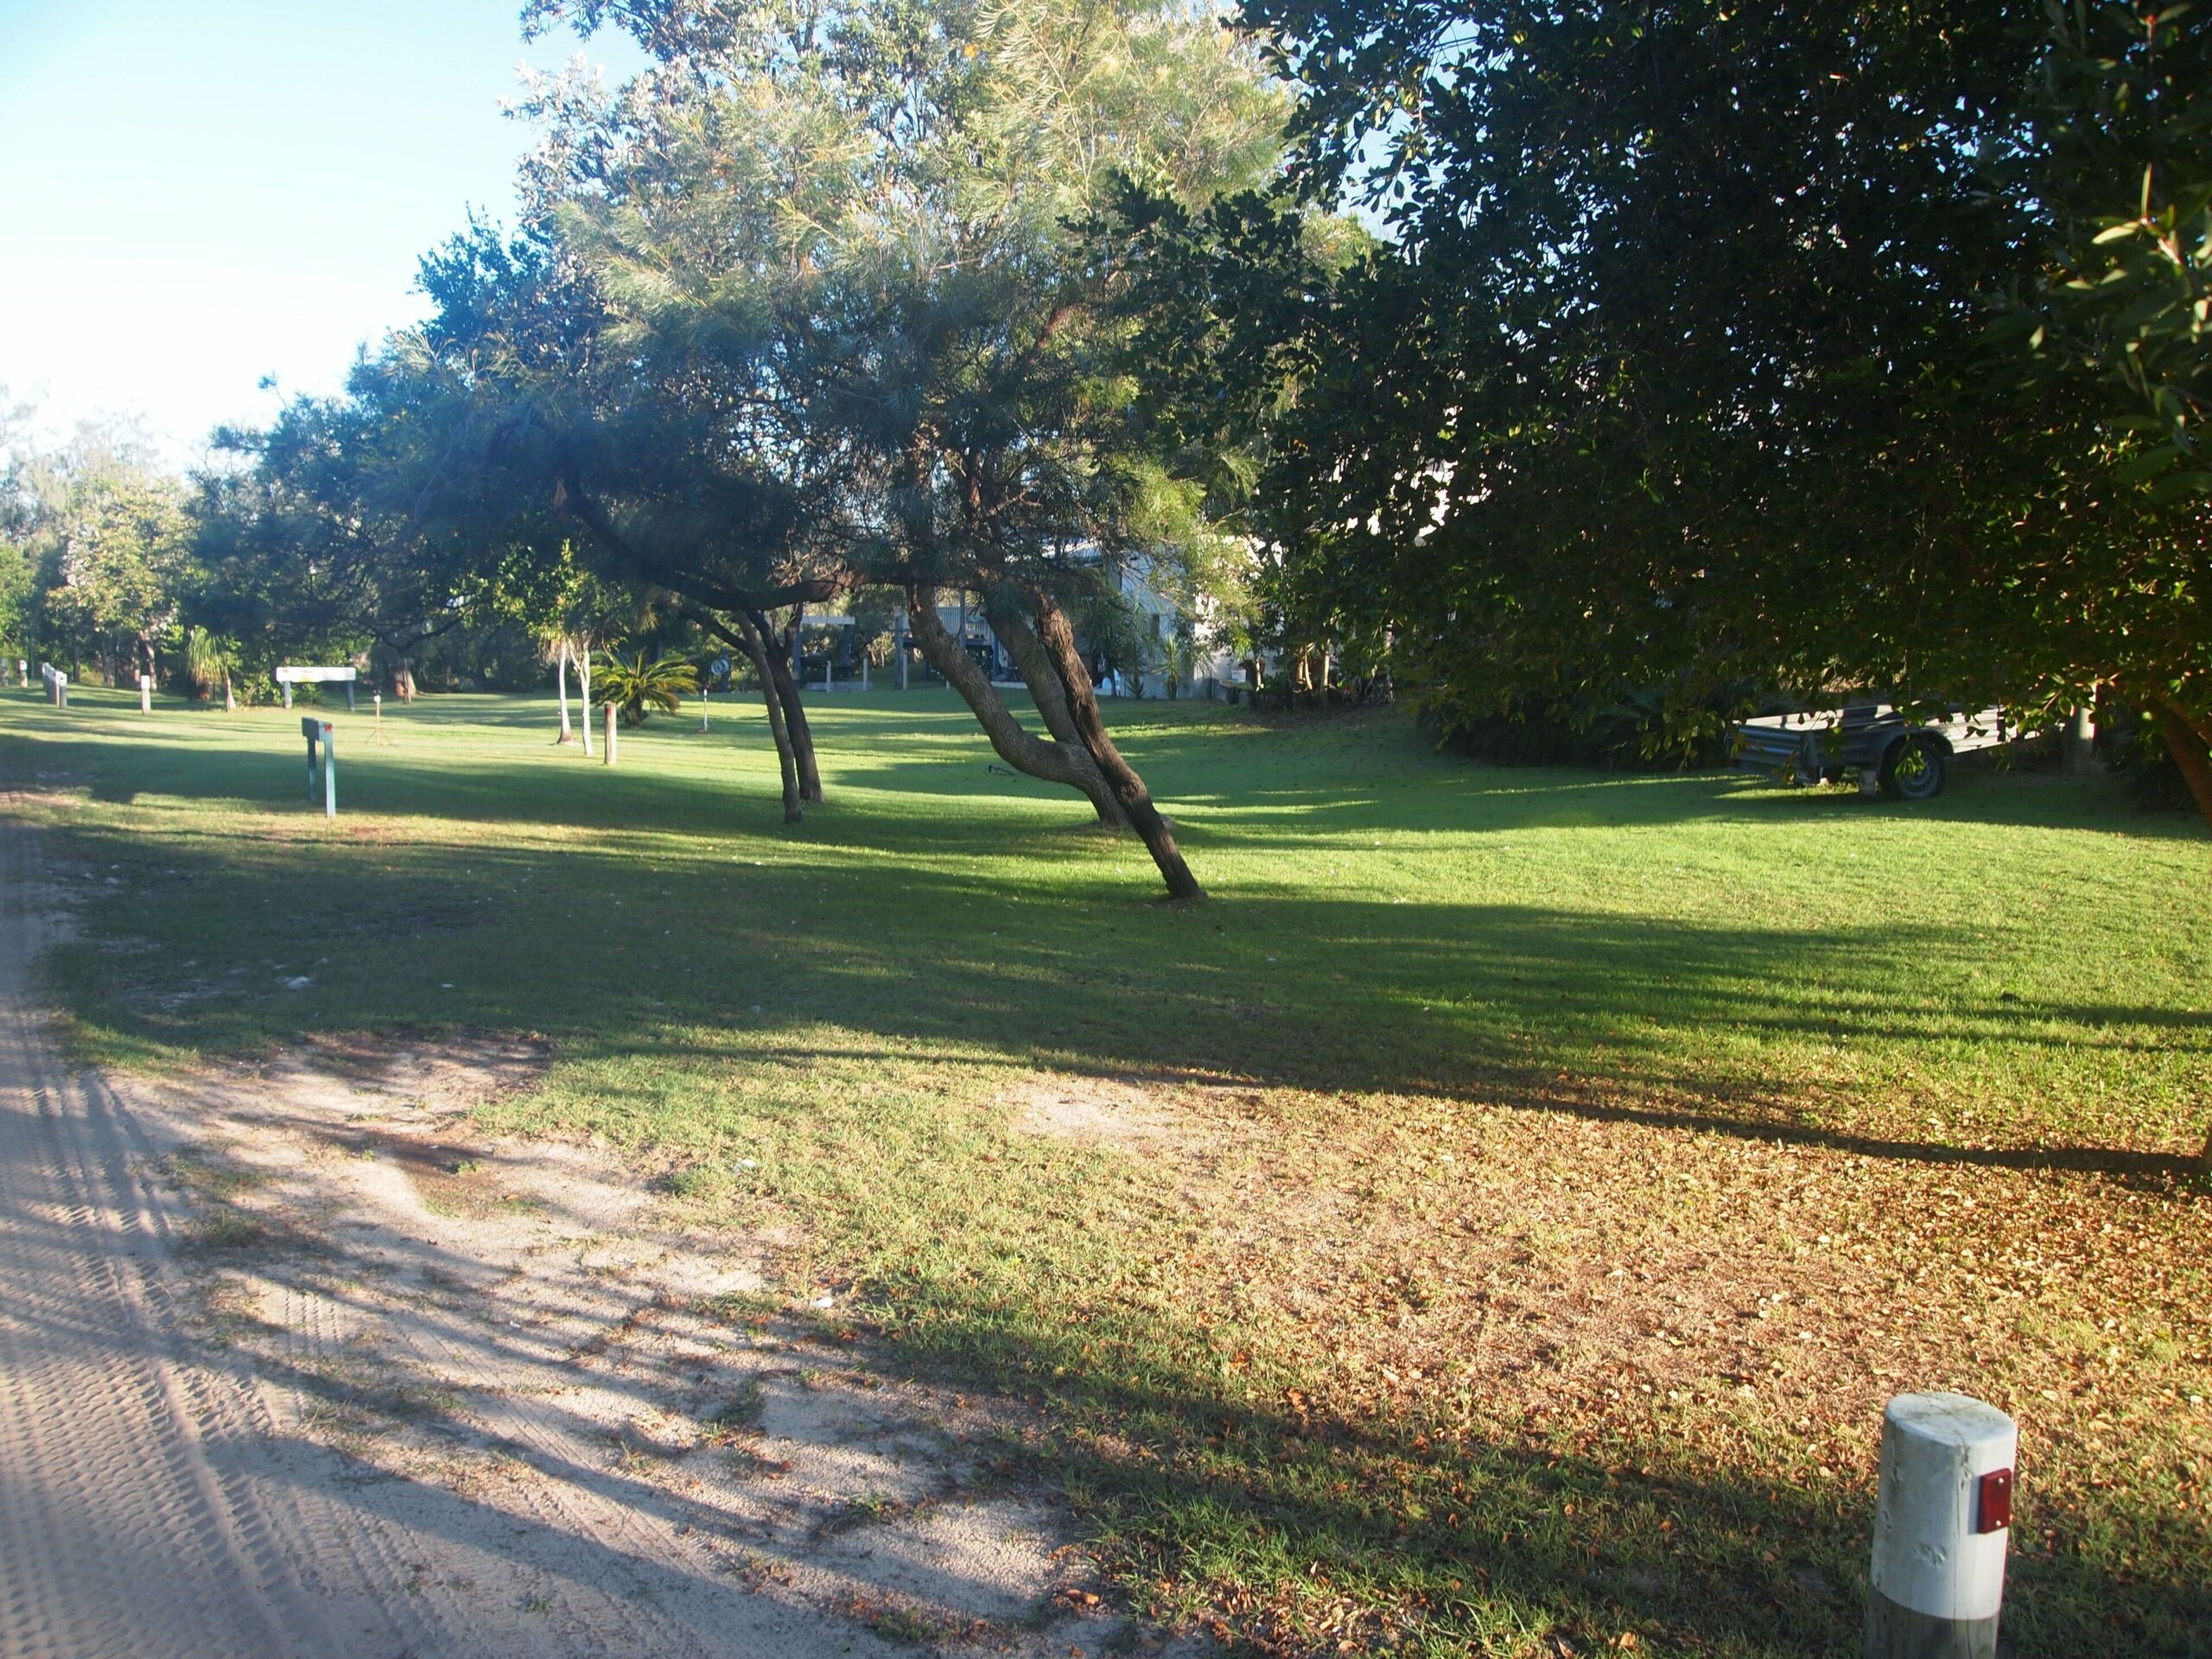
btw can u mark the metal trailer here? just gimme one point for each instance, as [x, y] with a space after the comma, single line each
[1905, 759]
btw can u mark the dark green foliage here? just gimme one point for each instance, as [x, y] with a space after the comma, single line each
[1636, 729]
[1680, 364]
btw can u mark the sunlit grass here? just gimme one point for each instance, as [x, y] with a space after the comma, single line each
[1573, 980]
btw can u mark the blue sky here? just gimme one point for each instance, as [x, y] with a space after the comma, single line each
[195, 195]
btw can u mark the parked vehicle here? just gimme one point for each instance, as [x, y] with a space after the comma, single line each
[1905, 759]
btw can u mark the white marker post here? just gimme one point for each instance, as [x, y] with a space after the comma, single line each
[145, 694]
[322, 731]
[57, 684]
[610, 734]
[1941, 1525]
[23, 672]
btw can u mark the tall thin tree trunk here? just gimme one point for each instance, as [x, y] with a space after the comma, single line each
[561, 679]
[583, 685]
[1059, 640]
[758, 649]
[230, 700]
[1019, 747]
[802, 734]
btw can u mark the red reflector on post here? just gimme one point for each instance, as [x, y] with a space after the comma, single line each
[1992, 1509]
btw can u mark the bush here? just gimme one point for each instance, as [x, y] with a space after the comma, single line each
[1638, 729]
[637, 687]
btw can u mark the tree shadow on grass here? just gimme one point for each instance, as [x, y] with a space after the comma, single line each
[1396, 1526]
[1547, 1008]
[647, 943]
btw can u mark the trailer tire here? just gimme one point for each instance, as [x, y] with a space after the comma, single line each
[1915, 767]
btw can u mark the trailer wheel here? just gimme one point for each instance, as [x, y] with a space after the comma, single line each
[1916, 768]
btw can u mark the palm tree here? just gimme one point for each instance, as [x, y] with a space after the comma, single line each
[636, 687]
[207, 663]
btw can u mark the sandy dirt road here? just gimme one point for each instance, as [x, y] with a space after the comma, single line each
[161, 1493]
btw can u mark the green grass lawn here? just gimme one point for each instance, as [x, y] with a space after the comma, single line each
[1514, 1106]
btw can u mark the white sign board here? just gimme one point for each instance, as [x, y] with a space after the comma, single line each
[290, 675]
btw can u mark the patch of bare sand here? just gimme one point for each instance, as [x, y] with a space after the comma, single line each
[522, 1324]
[1095, 1111]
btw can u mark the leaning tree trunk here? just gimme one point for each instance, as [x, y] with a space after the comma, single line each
[1052, 700]
[1019, 747]
[786, 688]
[748, 638]
[2188, 741]
[1059, 640]
[758, 649]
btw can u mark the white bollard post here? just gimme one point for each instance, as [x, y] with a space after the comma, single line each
[610, 734]
[1941, 1525]
[329, 771]
[23, 672]
[145, 694]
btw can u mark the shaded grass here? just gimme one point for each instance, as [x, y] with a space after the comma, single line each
[1305, 1378]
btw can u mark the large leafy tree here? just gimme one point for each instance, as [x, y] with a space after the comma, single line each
[862, 241]
[119, 568]
[94, 544]
[332, 536]
[1679, 369]
[2119, 146]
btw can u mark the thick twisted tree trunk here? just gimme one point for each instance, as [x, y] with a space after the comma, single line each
[1052, 700]
[1057, 639]
[1018, 746]
[802, 734]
